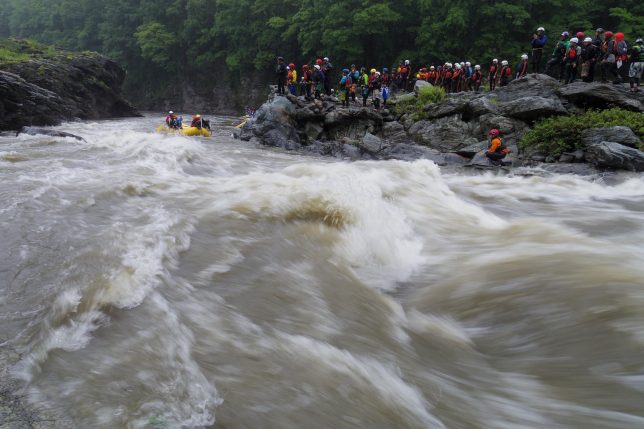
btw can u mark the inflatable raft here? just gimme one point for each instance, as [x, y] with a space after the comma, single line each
[185, 131]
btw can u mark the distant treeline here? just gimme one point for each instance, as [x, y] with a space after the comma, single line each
[159, 41]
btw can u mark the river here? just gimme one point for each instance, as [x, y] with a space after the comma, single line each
[152, 281]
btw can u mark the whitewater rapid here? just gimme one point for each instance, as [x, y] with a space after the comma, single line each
[152, 281]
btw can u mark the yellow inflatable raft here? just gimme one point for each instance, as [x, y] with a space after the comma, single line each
[184, 131]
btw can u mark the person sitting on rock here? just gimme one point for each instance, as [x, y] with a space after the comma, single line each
[172, 121]
[496, 150]
[637, 65]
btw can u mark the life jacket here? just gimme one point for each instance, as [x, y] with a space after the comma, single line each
[571, 54]
[448, 74]
[404, 71]
[431, 76]
[457, 74]
[385, 79]
[523, 68]
[477, 76]
[493, 70]
[500, 147]
[289, 76]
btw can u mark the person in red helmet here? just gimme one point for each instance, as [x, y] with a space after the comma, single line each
[607, 50]
[621, 56]
[307, 81]
[580, 36]
[291, 79]
[496, 150]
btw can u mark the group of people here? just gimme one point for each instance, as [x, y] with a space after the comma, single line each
[572, 58]
[175, 122]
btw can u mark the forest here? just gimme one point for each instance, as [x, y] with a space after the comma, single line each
[203, 41]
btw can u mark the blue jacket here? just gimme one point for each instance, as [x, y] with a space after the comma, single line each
[540, 41]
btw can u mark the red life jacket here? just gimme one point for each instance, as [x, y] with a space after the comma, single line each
[507, 71]
[571, 54]
[493, 69]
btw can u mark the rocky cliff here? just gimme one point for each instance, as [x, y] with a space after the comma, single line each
[44, 86]
[454, 131]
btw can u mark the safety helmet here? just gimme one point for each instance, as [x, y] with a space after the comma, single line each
[524, 56]
[588, 39]
[434, 68]
[345, 71]
[565, 34]
[305, 67]
[494, 132]
[580, 35]
[317, 67]
[619, 36]
[541, 29]
[318, 62]
[170, 112]
[406, 62]
[353, 66]
[292, 66]
[372, 71]
[377, 73]
[639, 40]
[280, 58]
[385, 70]
[477, 67]
[495, 61]
[504, 63]
[468, 63]
[574, 40]
[608, 35]
[326, 58]
[600, 30]
[458, 66]
[288, 67]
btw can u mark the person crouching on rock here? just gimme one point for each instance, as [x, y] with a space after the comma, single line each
[497, 150]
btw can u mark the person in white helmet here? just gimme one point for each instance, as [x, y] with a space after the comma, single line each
[539, 40]
[172, 121]
[506, 73]
[477, 78]
[637, 65]
[522, 67]
[327, 68]
[589, 55]
[573, 55]
[468, 76]
[493, 74]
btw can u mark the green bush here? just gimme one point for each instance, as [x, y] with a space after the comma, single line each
[556, 135]
[415, 106]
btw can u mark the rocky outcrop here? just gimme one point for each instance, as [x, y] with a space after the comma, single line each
[452, 132]
[51, 86]
[616, 156]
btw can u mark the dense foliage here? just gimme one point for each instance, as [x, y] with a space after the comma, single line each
[216, 39]
[556, 135]
[416, 105]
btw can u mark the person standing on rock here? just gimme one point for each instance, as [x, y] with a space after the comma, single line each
[608, 50]
[539, 40]
[318, 80]
[345, 87]
[637, 65]
[573, 55]
[281, 74]
[327, 67]
[506, 73]
[364, 86]
[292, 79]
[355, 77]
[494, 71]
[496, 150]
[522, 67]
[307, 81]
[558, 55]
[477, 78]
[621, 56]
[588, 59]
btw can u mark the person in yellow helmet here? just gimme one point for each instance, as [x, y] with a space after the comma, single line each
[199, 122]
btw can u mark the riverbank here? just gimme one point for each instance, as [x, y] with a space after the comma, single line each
[42, 85]
[453, 132]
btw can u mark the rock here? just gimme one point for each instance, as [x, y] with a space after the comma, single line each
[446, 108]
[313, 130]
[32, 131]
[532, 108]
[412, 152]
[615, 155]
[394, 132]
[481, 161]
[480, 106]
[420, 84]
[600, 96]
[473, 149]
[350, 151]
[445, 134]
[274, 125]
[371, 144]
[533, 85]
[353, 123]
[566, 158]
[621, 135]
[512, 129]
[401, 98]
[563, 168]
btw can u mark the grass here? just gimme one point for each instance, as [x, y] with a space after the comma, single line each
[556, 135]
[415, 106]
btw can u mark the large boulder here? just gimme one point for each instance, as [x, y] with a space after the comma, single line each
[533, 85]
[352, 123]
[473, 149]
[394, 132]
[615, 155]
[451, 106]
[601, 96]
[420, 84]
[480, 106]
[621, 135]
[445, 134]
[371, 144]
[512, 129]
[532, 108]
[274, 125]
